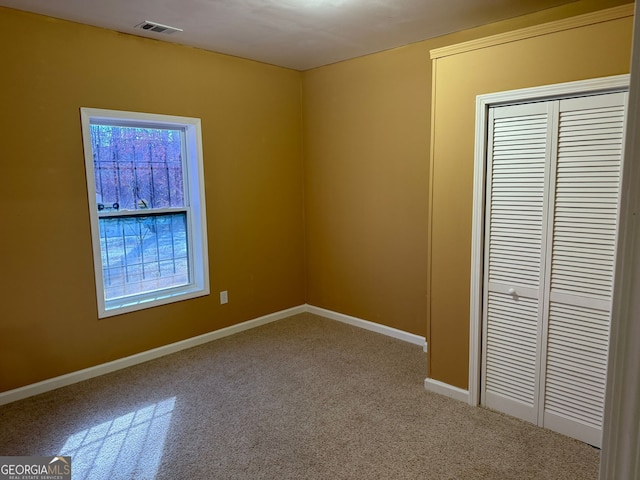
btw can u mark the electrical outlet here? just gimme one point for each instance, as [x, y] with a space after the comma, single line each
[224, 297]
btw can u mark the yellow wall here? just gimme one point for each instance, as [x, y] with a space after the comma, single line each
[367, 130]
[591, 51]
[253, 173]
[363, 183]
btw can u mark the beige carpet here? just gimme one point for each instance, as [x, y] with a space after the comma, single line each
[302, 398]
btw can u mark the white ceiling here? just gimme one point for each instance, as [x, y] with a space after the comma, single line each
[298, 34]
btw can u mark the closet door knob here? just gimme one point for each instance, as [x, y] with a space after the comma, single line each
[512, 291]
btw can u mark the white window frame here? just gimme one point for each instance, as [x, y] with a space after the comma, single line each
[194, 195]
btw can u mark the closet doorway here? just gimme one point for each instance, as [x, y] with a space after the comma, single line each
[548, 166]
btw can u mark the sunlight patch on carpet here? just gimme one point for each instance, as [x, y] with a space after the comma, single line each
[129, 446]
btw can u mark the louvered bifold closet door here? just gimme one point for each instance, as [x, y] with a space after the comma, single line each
[583, 235]
[514, 253]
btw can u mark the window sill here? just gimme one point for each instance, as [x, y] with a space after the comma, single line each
[132, 304]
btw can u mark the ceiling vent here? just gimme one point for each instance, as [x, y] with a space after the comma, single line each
[157, 27]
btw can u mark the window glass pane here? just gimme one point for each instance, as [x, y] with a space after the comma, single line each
[137, 168]
[143, 253]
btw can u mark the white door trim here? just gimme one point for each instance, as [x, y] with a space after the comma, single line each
[621, 429]
[483, 102]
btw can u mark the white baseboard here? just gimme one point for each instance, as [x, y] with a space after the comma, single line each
[87, 373]
[447, 390]
[367, 325]
[74, 377]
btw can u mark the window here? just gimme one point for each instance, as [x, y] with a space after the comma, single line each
[146, 197]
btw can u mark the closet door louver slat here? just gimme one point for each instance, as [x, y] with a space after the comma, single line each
[576, 372]
[517, 357]
[517, 180]
[586, 200]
